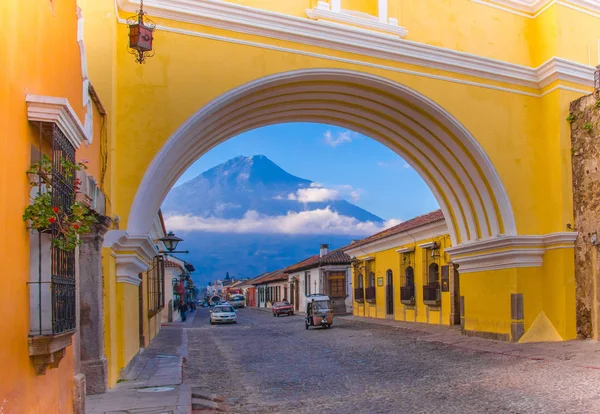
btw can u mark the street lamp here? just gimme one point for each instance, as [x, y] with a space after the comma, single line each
[171, 241]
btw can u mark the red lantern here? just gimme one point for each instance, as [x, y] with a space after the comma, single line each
[141, 31]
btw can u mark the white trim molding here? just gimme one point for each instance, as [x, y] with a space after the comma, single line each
[508, 251]
[405, 250]
[428, 245]
[53, 110]
[322, 14]
[129, 266]
[505, 259]
[424, 232]
[133, 254]
[367, 259]
[249, 20]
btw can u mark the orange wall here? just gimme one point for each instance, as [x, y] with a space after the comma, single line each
[38, 54]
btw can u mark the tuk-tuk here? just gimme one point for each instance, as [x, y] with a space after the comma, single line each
[319, 311]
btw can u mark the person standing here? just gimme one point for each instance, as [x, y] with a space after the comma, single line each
[182, 310]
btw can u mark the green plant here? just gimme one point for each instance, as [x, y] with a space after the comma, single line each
[598, 103]
[587, 126]
[571, 118]
[42, 216]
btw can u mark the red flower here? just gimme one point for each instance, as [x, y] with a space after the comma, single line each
[75, 226]
[55, 209]
[52, 220]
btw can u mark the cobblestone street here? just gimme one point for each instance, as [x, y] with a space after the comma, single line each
[267, 364]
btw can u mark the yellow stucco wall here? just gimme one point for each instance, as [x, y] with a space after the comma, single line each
[46, 65]
[128, 322]
[389, 259]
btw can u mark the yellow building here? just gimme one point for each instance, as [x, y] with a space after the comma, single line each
[403, 273]
[474, 95]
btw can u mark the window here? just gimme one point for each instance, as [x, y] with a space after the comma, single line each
[433, 273]
[306, 283]
[156, 286]
[52, 270]
[372, 279]
[407, 290]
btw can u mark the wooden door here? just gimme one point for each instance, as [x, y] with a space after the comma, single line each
[389, 293]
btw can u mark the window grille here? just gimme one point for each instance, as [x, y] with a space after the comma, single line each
[431, 275]
[156, 286]
[52, 281]
[359, 291]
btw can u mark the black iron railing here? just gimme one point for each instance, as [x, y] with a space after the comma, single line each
[431, 294]
[359, 294]
[370, 294]
[156, 285]
[407, 294]
[63, 262]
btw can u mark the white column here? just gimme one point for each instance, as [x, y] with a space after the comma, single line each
[336, 5]
[383, 10]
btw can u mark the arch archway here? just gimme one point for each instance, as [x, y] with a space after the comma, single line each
[448, 158]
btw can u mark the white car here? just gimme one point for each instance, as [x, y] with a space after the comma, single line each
[223, 314]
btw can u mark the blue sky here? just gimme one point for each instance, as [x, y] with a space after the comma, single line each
[332, 156]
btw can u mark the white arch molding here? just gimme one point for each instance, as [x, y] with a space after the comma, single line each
[448, 158]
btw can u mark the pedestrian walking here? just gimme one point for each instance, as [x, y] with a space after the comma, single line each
[182, 310]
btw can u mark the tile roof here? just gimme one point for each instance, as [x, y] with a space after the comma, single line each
[399, 228]
[269, 277]
[334, 257]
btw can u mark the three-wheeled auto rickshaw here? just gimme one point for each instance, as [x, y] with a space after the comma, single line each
[319, 311]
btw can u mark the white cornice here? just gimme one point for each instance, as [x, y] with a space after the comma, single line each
[243, 19]
[508, 251]
[427, 245]
[402, 239]
[368, 258]
[141, 245]
[504, 242]
[500, 260]
[50, 109]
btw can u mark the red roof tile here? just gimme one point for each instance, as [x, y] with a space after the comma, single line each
[404, 226]
[334, 257]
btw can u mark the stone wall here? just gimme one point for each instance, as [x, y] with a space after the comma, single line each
[585, 140]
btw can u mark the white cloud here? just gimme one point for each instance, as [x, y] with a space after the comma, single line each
[406, 165]
[314, 195]
[339, 138]
[317, 193]
[322, 221]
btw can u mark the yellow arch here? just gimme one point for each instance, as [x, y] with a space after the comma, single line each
[441, 150]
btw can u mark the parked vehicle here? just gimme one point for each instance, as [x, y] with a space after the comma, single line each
[214, 300]
[283, 308]
[223, 314]
[319, 311]
[238, 301]
[204, 304]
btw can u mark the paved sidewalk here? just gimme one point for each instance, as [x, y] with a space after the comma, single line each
[585, 354]
[154, 383]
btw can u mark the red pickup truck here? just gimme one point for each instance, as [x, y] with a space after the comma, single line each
[283, 308]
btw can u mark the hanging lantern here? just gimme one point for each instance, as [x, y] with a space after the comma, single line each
[141, 31]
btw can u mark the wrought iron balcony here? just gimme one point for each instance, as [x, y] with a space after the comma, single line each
[359, 295]
[370, 294]
[431, 294]
[407, 295]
